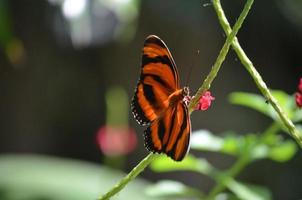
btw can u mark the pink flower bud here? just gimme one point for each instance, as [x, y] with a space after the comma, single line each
[205, 101]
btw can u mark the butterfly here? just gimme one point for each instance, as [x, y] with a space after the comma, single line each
[160, 102]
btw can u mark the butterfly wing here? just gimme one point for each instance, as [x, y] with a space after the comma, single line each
[170, 134]
[158, 79]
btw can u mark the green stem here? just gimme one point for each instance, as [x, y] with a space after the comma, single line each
[222, 180]
[255, 75]
[223, 52]
[124, 181]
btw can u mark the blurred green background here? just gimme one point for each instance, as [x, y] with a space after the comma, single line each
[68, 68]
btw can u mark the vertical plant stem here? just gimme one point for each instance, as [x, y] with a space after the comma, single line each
[221, 57]
[124, 181]
[255, 75]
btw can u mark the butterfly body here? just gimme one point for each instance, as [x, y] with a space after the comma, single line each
[177, 96]
[159, 102]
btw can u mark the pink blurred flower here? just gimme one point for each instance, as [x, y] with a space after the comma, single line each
[116, 141]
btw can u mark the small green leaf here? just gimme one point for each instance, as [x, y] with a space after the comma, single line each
[169, 188]
[247, 191]
[253, 101]
[259, 103]
[191, 163]
[283, 152]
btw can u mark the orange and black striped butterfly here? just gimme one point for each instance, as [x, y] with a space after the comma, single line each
[160, 102]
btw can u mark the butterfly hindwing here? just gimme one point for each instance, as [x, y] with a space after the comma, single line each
[170, 134]
[179, 141]
[157, 134]
[158, 79]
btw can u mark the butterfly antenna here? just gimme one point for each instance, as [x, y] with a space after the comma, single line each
[190, 69]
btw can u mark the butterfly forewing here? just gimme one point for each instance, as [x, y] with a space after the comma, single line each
[156, 52]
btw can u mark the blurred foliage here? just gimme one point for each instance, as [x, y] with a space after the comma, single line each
[89, 23]
[291, 9]
[117, 106]
[168, 189]
[116, 138]
[32, 177]
[246, 148]
[12, 46]
[249, 191]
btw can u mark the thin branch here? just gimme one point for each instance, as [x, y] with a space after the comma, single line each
[247, 63]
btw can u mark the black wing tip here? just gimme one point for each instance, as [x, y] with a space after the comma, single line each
[155, 39]
[152, 37]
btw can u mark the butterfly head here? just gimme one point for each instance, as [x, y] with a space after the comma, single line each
[185, 91]
[186, 95]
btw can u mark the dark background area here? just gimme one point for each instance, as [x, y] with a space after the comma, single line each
[52, 101]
